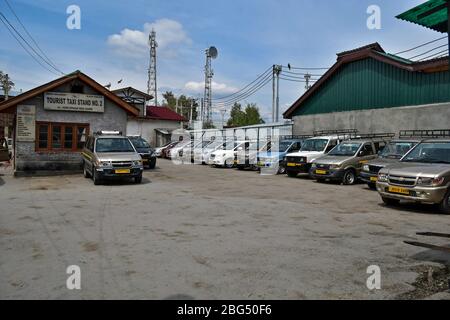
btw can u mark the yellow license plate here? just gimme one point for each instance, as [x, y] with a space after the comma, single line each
[290, 164]
[399, 190]
[374, 179]
[122, 171]
[321, 172]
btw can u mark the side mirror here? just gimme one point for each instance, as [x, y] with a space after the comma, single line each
[361, 153]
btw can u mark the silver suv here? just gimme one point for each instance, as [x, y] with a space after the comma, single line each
[108, 154]
[422, 175]
[344, 162]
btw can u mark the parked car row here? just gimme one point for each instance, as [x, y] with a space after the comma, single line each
[414, 167]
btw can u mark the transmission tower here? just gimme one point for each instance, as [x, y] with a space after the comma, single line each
[151, 84]
[307, 79]
[211, 53]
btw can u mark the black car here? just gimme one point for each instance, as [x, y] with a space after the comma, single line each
[145, 150]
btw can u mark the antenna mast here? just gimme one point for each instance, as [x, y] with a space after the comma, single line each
[211, 53]
[151, 84]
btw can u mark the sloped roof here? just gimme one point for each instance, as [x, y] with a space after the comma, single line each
[432, 14]
[374, 51]
[163, 113]
[65, 79]
[130, 91]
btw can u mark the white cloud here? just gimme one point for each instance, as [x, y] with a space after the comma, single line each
[170, 34]
[220, 88]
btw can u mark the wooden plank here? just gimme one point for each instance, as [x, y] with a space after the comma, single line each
[434, 234]
[428, 246]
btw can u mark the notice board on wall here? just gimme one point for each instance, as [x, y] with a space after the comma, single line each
[26, 123]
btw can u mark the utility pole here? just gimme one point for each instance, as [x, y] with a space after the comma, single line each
[222, 112]
[6, 85]
[151, 84]
[307, 79]
[190, 115]
[276, 70]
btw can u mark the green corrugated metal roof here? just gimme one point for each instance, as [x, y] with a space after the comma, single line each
[431, 14]
[397, 58]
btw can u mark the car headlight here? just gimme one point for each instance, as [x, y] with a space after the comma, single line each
[430, 182]
[383, 177]
[285, 159]
[313, 165]
[335, 166]
[365, 167]
[137, 163]
[105, 163]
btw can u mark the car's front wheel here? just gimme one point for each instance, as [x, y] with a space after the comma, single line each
[152, 164]
[138, 179]
[445, 204]
[86, 174]
[349, 177]
[96, 177]
[281, 169]
[229, 163]
[291, 174]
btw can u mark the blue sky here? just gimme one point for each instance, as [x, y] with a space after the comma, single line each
[251, 35]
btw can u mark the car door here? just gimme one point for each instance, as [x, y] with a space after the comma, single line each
[366, 153]
[88, 153]
[4, 152]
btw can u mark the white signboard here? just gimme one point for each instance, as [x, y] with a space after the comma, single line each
[26, 123]
[62, 101]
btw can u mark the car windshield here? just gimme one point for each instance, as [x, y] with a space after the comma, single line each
[345, 149]
[214, 145]
[396, 150]
[429, 152]
[314, 145]
[139, 143]
[113, 145]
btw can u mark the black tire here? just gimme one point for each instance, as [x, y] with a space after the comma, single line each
[152, 164]
[372, 186]
[349, 177]
[86, 174]
[444, 206]
[229, 164]
[390, 201]
[281, 169]
[320, 180]
[95, 177]
[291, 174]
[240, 168]
[138, 179]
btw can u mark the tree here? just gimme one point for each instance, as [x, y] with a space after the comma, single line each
[184, 104]
[6, 84]
[239, 118]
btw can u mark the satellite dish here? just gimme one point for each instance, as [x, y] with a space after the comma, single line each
[212, 51]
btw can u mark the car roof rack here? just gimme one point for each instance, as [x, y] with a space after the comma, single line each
[439, 133]
[108, 133]
[381, 135]
[296, 137]
[330, 132]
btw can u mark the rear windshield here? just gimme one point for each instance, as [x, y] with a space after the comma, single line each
[396, 150]
[113, 145]
[139, 143]
[314, 145]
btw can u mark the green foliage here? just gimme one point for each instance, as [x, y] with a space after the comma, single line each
[184, 104]
[247, 117]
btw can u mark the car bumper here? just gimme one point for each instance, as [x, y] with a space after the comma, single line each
[328, 174]
[298, 167]
[431, 195]
[110, 173]
[368, 177]
[147, 160]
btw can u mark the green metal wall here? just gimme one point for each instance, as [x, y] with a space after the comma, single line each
[370, 84]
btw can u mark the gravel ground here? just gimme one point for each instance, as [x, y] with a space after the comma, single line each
[204, 233]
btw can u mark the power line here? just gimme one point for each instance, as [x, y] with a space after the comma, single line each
[302, 73]
[237, 92]
[31, 37]
[435, 55]
[444, 45]
[296, 68]
[24, 40]
[303, 81]
[419, 46]
[25, 48]
[298, 77]
[250, 92]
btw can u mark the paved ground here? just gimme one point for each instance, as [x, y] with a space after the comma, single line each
[205, 233]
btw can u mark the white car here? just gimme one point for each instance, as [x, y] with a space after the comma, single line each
[225, 157]
[204, 154]
[311, 150]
